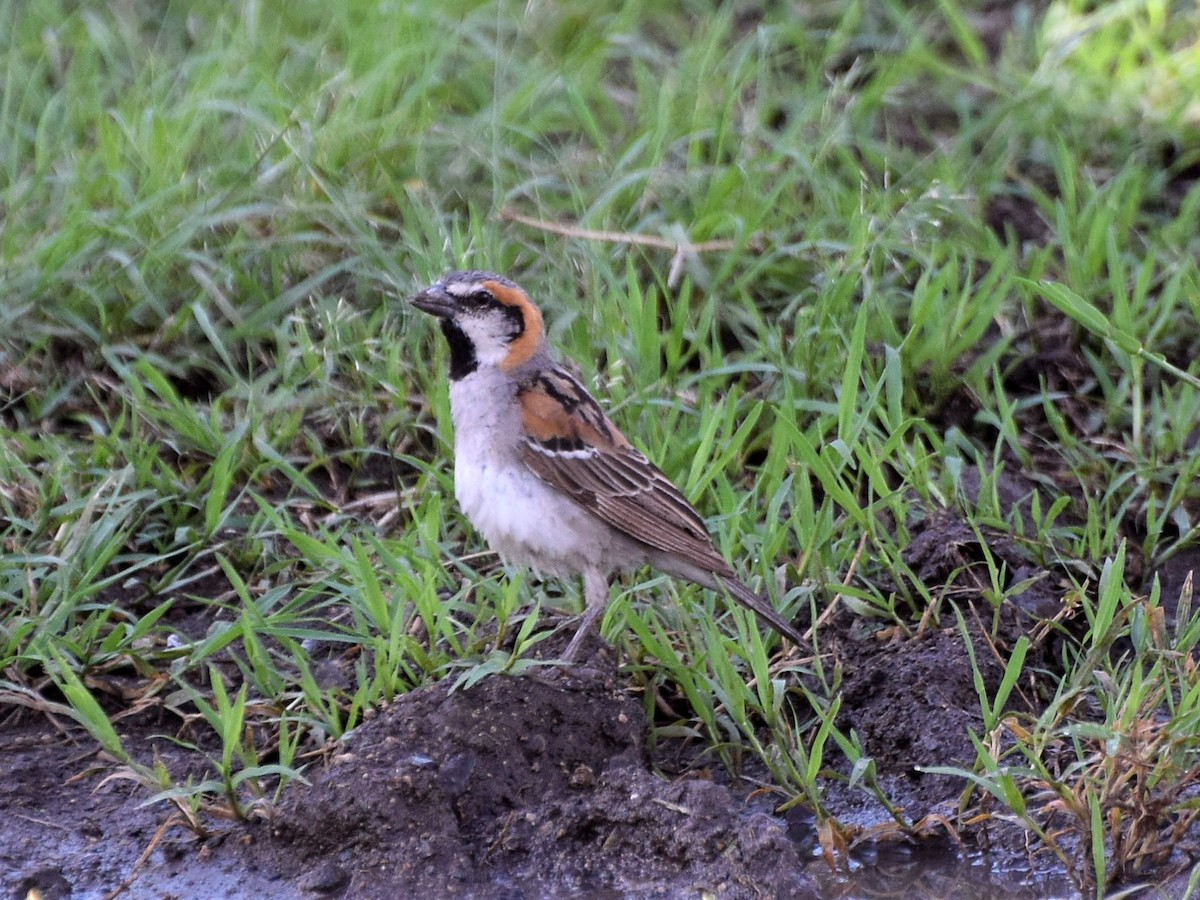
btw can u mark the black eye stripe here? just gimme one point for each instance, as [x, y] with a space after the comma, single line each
[481, 300]
[472, 297]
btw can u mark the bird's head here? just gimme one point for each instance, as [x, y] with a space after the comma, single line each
[487, 320]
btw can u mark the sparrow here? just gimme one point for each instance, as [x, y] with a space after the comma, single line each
[544, 475]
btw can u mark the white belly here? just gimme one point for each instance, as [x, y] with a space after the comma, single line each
[525, 521]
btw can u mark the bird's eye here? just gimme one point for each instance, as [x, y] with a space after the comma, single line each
[480, 298]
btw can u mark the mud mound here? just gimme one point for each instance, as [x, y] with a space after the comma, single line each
[913, 702]
[520, 787]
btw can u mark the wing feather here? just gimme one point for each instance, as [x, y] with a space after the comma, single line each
[573, 446]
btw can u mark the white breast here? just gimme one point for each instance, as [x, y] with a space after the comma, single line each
[523, 519]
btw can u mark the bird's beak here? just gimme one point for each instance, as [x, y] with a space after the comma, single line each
[435, 301]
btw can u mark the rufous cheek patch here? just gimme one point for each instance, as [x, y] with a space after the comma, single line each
[522, 349]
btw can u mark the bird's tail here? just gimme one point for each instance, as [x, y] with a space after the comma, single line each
[715, 574]
[762, 608]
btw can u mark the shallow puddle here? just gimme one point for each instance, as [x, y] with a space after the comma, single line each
[939, 869]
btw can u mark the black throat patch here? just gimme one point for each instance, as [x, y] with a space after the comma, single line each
[462, 352]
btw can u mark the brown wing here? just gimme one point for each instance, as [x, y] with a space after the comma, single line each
[573, 446]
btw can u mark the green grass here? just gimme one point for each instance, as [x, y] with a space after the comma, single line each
[212, 397]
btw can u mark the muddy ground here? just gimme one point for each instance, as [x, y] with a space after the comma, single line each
[536, 786]
[518, 787]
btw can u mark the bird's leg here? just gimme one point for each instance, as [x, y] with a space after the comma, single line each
[595, 594]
